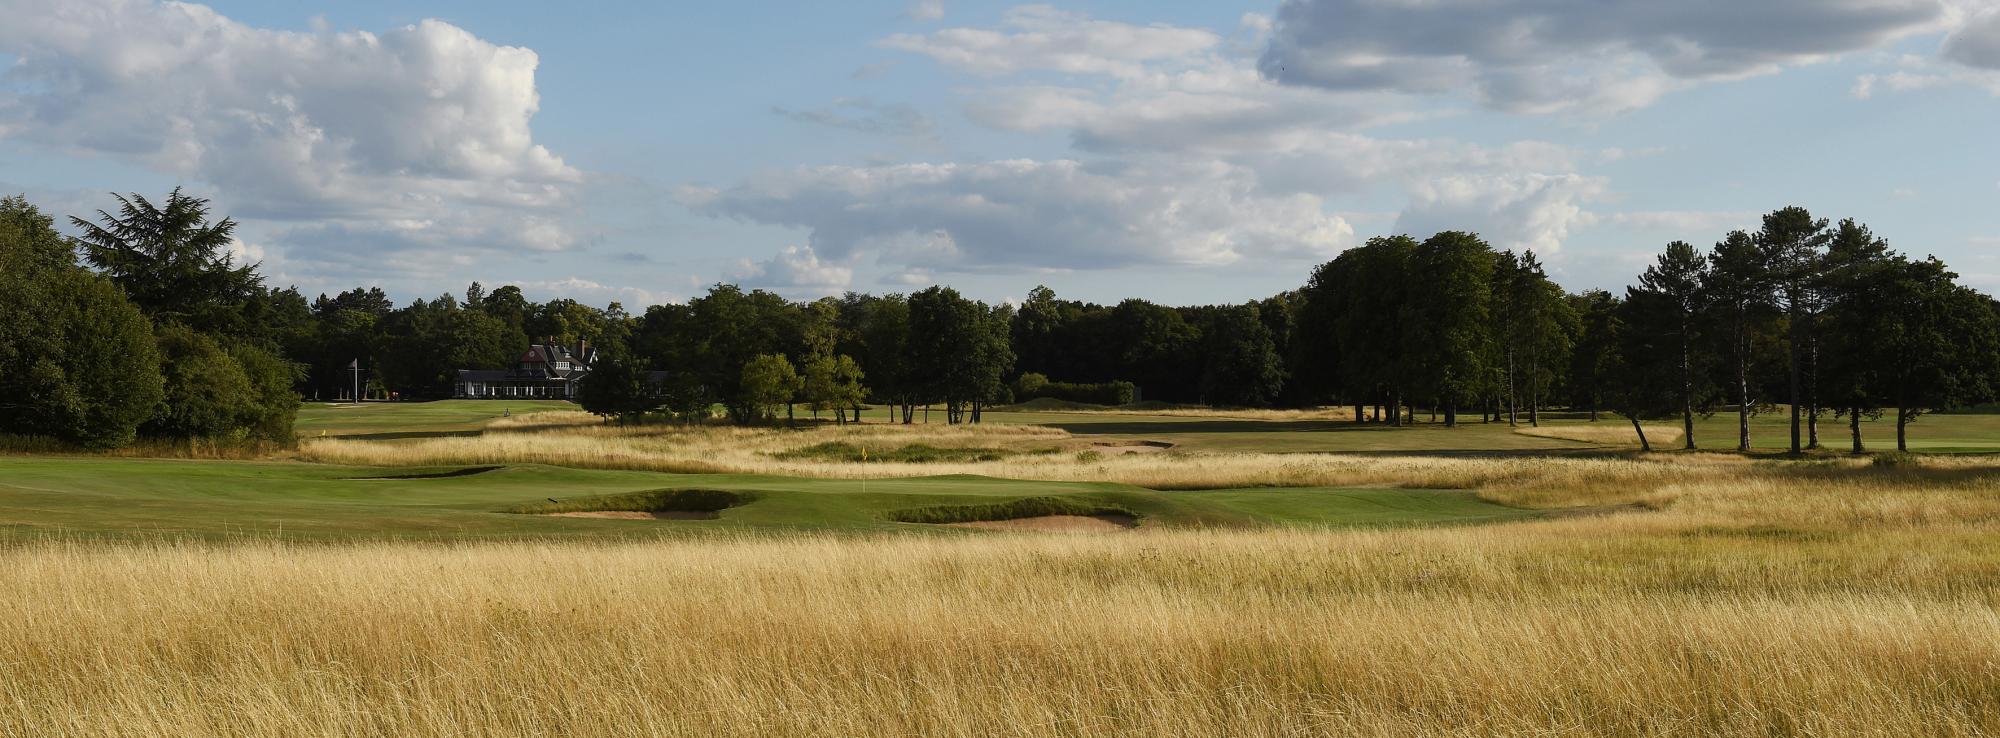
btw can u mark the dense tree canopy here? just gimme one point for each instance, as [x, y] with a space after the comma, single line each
[77, 359]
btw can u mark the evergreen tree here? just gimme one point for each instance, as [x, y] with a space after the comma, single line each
[1595, 349]
[1945, 340]
[1672, 286]
[1860, 268]
[1739, 288]
[1792, 244]
[1645, 364]
[174, 263]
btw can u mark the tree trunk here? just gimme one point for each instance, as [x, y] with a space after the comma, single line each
[1742, 388]
[1395, 410]
[1450, 413]
[1687, 395]
[1644, 445]
[1360, 413]
[1854, 430]
[1535, 388]
[1513, 402]
[1902, 432]
[1795, 353]
[1812, 388]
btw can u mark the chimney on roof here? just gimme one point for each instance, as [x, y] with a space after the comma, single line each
[582, 349]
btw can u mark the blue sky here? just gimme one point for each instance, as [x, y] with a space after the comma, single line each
[1182, 152]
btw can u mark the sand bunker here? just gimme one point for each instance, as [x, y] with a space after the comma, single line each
[1101, 523]
[636, 515]
[1120, 448]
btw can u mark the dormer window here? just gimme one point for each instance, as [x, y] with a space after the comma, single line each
[562, 366]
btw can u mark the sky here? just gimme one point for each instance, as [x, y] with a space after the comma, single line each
[1183, 152]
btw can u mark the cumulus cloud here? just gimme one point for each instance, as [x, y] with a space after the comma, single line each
[1516, 212]
[420, 133]
[1201, 159]
[1542, 56]
[795, 270]
[1039, 37]
[1034, 214]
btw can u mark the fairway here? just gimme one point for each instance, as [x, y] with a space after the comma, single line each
[113, 497]
[41, 496]
[412, 419]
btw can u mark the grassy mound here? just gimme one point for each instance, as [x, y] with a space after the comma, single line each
[915, 453]
[1026, 507]
[652, 501]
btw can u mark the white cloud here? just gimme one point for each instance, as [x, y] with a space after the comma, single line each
[1693, 223]
[590, 292]
[418, 134]
[1039, 37]
[1515, 212]
[1543, 56]
[796, 270]
[1025, 214]
[1206, 162]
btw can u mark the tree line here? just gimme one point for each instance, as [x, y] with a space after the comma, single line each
[144, 325]
[1825, 319]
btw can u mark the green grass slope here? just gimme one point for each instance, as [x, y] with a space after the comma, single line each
[412, 419]
[122, 498]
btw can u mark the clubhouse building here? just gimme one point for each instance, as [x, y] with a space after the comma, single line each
[546, 371]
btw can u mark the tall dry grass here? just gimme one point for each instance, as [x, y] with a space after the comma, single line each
[1654, 624]
[1727, 596]
[1528, 481]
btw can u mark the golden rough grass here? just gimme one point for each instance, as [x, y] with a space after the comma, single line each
[1674, 623]
[1728, 596]
[1526, 481]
